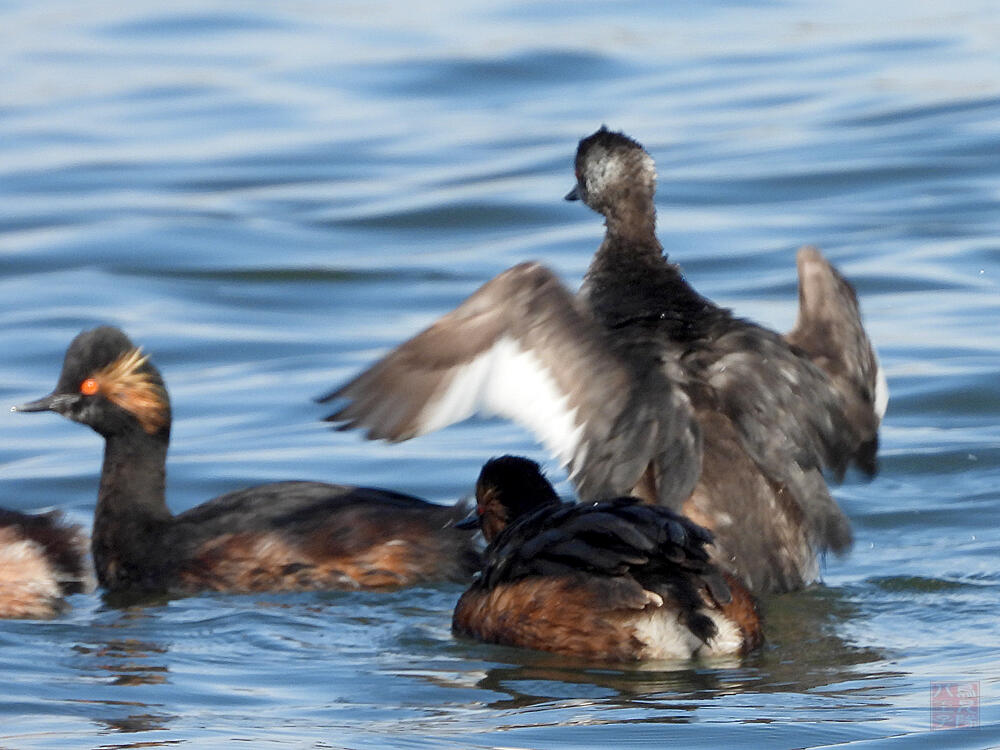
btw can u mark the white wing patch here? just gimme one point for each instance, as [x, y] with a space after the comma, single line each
[881, 389]
[509, 381]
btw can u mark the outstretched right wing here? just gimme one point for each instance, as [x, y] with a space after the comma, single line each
[521, 347]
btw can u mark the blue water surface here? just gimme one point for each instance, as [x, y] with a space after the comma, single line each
[267, 196]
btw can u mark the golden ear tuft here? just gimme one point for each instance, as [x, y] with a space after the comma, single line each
[124, 383]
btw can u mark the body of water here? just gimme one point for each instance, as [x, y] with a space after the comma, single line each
[267, 196]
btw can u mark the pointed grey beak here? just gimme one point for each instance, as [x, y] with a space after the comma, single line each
[574, 194]
[471, 521]
[57, 402]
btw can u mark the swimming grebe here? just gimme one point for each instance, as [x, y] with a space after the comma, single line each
[640, 385]
[618, 580]
[42, 559]
[282, 536]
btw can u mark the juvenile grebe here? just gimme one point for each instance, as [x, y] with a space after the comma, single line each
[640, 385]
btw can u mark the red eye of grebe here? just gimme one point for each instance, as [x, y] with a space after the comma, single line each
[89, 387]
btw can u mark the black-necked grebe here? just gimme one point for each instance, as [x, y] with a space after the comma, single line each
[282, 536]
[618, 580]
[42, 559]
[640, 385]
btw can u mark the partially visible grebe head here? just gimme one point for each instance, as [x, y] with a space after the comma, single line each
[508, 488]
[614, 174]
[110, 385]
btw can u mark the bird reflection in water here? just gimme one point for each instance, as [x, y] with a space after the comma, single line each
[126, 662]
[806, 649]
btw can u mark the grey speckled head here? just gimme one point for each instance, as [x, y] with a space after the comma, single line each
[613, 173]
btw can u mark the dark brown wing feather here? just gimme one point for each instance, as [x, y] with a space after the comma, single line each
[830, 331]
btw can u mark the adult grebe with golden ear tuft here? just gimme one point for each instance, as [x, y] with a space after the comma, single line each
[281, 536]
